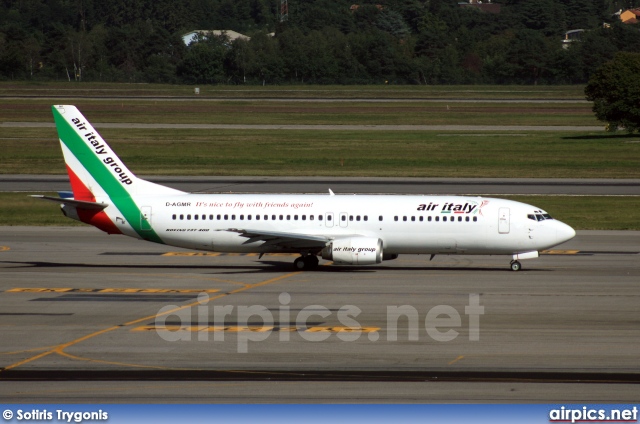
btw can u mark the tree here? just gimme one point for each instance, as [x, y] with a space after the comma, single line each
[529, 55]
[292, 44]
[31, 48]
[238, 60]
[546, 16]
[265, 63]
[614, 90]
[203, 63]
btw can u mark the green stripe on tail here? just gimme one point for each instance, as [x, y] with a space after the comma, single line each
[117, 193]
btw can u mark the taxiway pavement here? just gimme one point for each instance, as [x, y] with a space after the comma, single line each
[87, 317]
[458, 186]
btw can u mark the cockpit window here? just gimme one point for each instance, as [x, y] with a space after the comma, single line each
[546, 216]
[539, 217]
[531, 217]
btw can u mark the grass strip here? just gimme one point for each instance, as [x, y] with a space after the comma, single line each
[12, 88]
[245, 112]
[340, 153]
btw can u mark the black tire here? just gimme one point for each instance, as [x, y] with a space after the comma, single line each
[516, 266]
[311, 262]
[300, 264]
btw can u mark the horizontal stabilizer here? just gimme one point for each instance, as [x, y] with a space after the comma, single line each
[77, 203]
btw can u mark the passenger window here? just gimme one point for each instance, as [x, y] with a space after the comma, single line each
[311, 217]
[466, 219]
[475, 219]
[189, 217]
[380, 218]
[218, 217]
[459, 219]
[226, 217]
[421, 218]
[233, 217]
[249, 217]
[350, 218]
[404, 218]
[210, 217]
[173, 217]
[304, 217]
[295, 217]
[444, 219]
[437, 218]
[242, 217]
[195, 217]
[395, 218]
[328, 217]
[413, 218]
[366, 218]
[319, 217]
[258, 217]
[273, 217]
[429, 218]
[357, 217]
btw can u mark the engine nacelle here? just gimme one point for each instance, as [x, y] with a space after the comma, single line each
[354, 251]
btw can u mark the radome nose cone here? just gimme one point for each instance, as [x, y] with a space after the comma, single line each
[565, 233]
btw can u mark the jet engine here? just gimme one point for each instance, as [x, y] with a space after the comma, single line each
[354, 251]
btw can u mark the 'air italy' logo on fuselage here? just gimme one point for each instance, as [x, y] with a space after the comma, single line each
[455, 208]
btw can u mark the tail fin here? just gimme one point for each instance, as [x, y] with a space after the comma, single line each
[98, 176]
[94, 169]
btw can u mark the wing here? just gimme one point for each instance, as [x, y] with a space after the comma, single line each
[286, 240]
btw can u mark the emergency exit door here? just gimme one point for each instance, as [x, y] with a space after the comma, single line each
[504, 218]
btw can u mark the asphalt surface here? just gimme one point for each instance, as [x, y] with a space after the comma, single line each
[81, 321]
[473, 186]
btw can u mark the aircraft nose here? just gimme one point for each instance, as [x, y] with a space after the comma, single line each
[564, 232]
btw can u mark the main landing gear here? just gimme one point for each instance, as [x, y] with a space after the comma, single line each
[307, 262]
[515, 266]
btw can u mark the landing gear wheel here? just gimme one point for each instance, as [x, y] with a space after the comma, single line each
[311, 262]
[515, 266]
[305, 262]
[300, 264]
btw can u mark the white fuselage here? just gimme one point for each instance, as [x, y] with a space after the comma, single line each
[405, 224]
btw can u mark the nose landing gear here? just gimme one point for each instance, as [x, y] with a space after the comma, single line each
[515, 266]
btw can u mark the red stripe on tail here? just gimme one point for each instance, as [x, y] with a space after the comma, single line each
[80, 191]
[98, 219]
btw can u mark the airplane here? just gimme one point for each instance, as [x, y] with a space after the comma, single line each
[344, 229]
